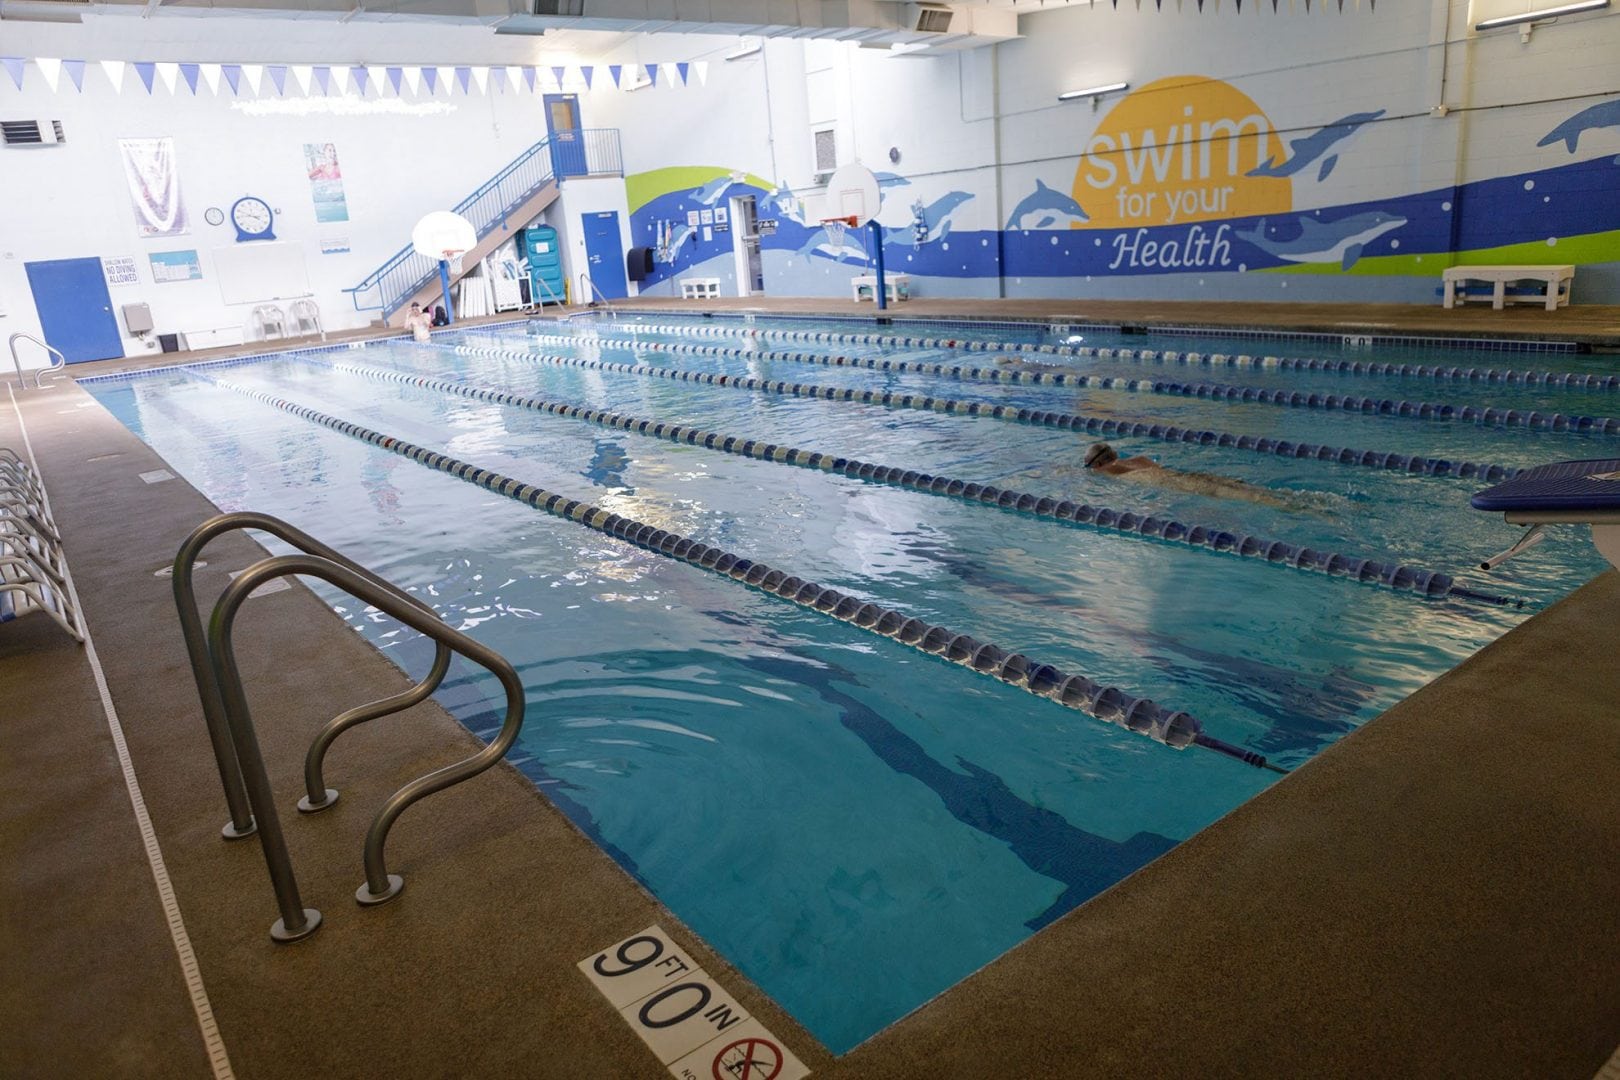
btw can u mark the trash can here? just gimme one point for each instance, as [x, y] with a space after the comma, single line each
[169, 342]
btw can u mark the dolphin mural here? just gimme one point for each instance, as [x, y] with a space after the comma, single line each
[886, 180]
[710, 193]
[680, 236]
[821, 242]
[1325, 241]
[1046, 208]
[781, 203]
[1570, 131]
[935, 221]
[1307, 148]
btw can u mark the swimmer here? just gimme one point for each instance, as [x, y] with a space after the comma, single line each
[418, 323]
[1105, 460]
[1017, 364]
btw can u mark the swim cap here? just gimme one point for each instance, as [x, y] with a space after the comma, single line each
[1096, 451]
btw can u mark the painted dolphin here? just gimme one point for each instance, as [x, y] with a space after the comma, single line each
[1046, 208]
[1570, 131]
[936, 216]
[680, 236]
[1325, 241]
[1307, 148]
[710, 193]
[782, 203]
[887, 180]
[820, 242]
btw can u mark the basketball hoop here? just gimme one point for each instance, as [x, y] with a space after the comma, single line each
[835, 227]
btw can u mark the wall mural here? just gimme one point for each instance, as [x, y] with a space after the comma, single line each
[1185, 175]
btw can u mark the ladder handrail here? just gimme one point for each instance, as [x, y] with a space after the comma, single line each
[318, 796]
[296, 921]
[585, 277]
[61, 361]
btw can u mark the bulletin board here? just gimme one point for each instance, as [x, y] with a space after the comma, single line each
[251, 273]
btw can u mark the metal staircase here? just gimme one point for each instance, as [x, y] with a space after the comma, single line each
[506, 202]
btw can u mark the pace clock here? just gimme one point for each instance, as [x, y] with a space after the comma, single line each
[253, 219]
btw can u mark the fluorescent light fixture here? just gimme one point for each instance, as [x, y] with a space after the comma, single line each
[1544, 13]
[1110, 88]
[750, 50]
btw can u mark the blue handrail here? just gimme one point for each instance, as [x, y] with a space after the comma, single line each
[586, 152]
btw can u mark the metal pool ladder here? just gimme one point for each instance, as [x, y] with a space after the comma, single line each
[585, 280]
[230, 722]
[56, 365]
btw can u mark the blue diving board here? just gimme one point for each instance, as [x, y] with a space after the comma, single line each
[1566, 493]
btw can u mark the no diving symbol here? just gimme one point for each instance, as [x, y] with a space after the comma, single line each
[748, 1059]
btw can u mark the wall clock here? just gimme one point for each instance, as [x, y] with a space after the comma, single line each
[253, 219]
[214, 216]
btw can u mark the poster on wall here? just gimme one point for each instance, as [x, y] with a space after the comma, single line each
[334, 245]
[119, 270]
[325, 182]
[154, 186]
[175, 266]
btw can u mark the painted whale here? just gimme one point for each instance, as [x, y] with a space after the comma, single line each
[1046, 208]
[821, 242]
[1307, 148]
[936, 216]
[710, 193]
[1325, 241]
[1570, 131]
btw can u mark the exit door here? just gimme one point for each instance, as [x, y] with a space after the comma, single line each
[567, 139]
[75, 310]
[604, 251]
[745, 246]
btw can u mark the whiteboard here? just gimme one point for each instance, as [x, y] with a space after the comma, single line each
[260, 270]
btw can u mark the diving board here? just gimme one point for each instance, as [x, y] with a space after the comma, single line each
[1557, 280]
[1566, 493]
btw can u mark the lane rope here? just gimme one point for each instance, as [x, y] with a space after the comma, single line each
[1427, 583]
[213, 1044]
[1143, 716]
[1570, 380]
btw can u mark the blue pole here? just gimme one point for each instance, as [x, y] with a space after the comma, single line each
[877, 249]
[444, 281]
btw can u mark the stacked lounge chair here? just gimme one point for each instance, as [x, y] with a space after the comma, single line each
[32, 571]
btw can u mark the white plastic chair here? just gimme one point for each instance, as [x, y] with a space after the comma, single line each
[269, 321]
[306, 317]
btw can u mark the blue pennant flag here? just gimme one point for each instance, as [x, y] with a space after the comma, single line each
[586, 72]
[683, 68]
[430, 76]
[362, 78]
[148, 70]
[323, 79]
[463, 76]
[233, 77]
[652, 73]
[75, 70]
[278, 78]
[189, 72]
[614, 70]
[14, 68]
[395, 74]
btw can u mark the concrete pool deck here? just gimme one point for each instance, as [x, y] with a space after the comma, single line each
[1434, 895]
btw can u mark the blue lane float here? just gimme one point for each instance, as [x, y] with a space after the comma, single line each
[1091, 425]
[1055, 376]
[1427, 583]
[1173, 728]
[1564, 380]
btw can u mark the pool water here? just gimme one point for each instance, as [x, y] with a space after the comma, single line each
[854, 824]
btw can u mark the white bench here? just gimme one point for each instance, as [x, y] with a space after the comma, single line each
[702, 288]
[896, 287]
[1557, 283]
[212, 337]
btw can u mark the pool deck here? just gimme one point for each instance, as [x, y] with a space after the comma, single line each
[1436, 894]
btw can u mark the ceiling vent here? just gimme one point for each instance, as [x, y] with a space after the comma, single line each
[930, 18]
[32, 132]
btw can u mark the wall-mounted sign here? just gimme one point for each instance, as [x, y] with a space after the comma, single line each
[175, 266]
[692, 218]
[120, 270]
[767, 226]
[334, 245]
[706, 216]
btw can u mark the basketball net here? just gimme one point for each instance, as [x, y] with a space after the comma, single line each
[453, 257]
[835, 229]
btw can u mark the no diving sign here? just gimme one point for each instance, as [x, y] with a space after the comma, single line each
[683, 1016]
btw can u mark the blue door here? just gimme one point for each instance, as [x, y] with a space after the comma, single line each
[74, 309]
[604, 251]
[567, 140]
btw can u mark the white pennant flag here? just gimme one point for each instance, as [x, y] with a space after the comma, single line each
[669, 75]
[481, 79]
[252, 76]
[115, 74]
[340, 79]
[447, 79]
[169, 73]
[303, 73]
[514, 77]
[210, 76]
[413, 79]
[51, 69]
[701, 68]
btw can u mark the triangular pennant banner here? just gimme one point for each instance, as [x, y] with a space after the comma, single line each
[613, 69]
[14, 68]
[114, 70]
[75, 70]
[233, 77]
[528, 77]
[253, 76]
[322, 76]
[51, 68]
[340, 80]
[430, 77]
[361, 77]
[668, 70]
[395, 75]
[146, 70]
[499, 77]
[463, 76]
[189, 72]
[558, 73]
[585, 73]
[702, 69]
[652, 73]
[278, 78]
[481, 79]
[210, 77]
[170, 74]
[413, 80]
[304, 75]
[447, 76]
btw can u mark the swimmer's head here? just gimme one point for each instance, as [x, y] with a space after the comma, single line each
[1099, 455]
[415, 308]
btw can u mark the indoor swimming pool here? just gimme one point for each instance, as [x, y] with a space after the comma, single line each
[854, 821]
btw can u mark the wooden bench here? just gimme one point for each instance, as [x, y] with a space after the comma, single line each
[1555, 293]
